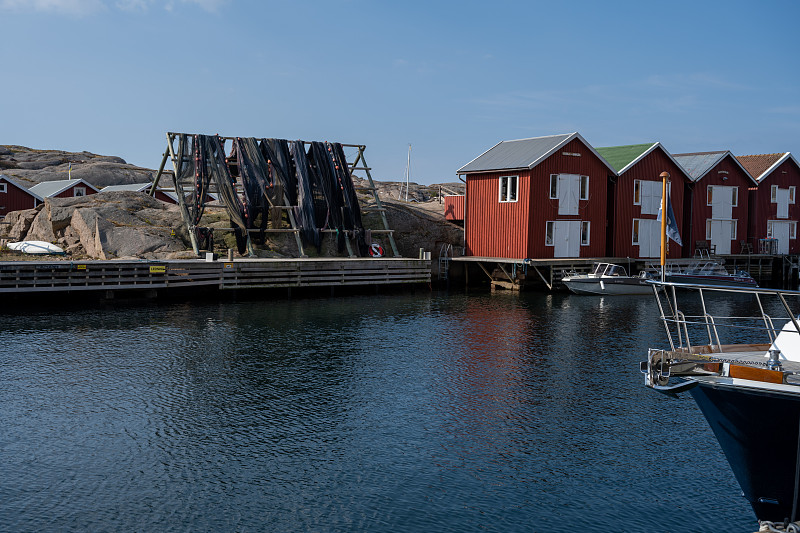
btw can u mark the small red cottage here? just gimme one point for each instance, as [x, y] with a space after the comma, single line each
[636, 195]
[537, 198]
[15, 197]
[774, 210]
[64, 188]
[718, 201]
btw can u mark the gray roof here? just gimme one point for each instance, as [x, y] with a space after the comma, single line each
[14, 182]
[135, 187]
[523, 153]
[698, 164]
[47, 189]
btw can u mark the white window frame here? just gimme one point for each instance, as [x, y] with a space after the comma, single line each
[773, 194]
[735, 197]
[511, 184]
[709, 195]
[708, 229]
[553, 194]
[79, 191]
[583, 187]
[637, 191]
[792, 229]
[588, 226]
[791, 193]
[734, 226]
[549, 233]
[636, 229]
[3, 187]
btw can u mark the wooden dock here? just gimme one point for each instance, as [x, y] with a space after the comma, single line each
[776, 271]
[110, 277]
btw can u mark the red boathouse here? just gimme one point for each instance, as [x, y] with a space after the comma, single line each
[542, 197]
[636, 199]
[774, 210]
[718, 202]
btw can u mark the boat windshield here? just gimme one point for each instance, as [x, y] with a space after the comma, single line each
[615, 270]
[598, 268]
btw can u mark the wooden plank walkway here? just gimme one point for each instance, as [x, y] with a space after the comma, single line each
[65, 276]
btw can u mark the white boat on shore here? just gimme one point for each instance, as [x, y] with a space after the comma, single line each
[35, 247]
[743, 372]
[607, 278]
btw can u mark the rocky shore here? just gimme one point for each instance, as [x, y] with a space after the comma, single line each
[122, 224]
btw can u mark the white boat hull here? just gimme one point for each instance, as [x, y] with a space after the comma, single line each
[35, 247]
[603, 286]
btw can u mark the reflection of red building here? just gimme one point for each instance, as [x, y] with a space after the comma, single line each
[537, 198]
[719, 200]
[15, 197]
[774, 209]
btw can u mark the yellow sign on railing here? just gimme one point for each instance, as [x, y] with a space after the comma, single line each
[158, 269]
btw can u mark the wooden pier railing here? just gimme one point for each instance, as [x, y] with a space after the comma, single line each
[65, 276]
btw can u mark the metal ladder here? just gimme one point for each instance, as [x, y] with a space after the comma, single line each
[445, 256]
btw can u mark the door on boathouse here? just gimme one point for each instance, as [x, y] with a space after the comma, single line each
[538, 198]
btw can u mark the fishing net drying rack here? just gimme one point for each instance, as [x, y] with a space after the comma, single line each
[234, 197]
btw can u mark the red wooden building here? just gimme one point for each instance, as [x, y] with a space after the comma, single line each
[636, 199]
[64, 188]
[454, 207]
[537, 198]
[718, 202]
[774, 210]
[14, 197]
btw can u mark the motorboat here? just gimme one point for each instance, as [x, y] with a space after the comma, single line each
[708, 273]
[607, 278]
[743, 372]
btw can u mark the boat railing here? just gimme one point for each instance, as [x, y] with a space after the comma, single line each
[711, 325]
[682, 326]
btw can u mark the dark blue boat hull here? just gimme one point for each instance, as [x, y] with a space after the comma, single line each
[758, 431]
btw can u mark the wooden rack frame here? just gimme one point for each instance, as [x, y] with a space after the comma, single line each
[170, 154]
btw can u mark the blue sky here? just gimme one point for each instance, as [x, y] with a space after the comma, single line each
[450, 78]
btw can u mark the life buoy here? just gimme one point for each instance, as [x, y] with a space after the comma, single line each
[376, 250]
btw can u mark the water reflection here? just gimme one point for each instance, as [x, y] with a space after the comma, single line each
[446, 412]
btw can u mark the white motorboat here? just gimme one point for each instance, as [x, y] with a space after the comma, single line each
[607, 278]
[743, 371]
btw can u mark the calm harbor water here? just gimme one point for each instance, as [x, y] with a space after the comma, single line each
[427, 412]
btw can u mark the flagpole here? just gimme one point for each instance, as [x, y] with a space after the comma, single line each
[664, 177]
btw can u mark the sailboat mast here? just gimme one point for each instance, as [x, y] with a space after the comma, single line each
[408, 170]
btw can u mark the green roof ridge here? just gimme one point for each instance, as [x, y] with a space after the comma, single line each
[620, 157]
